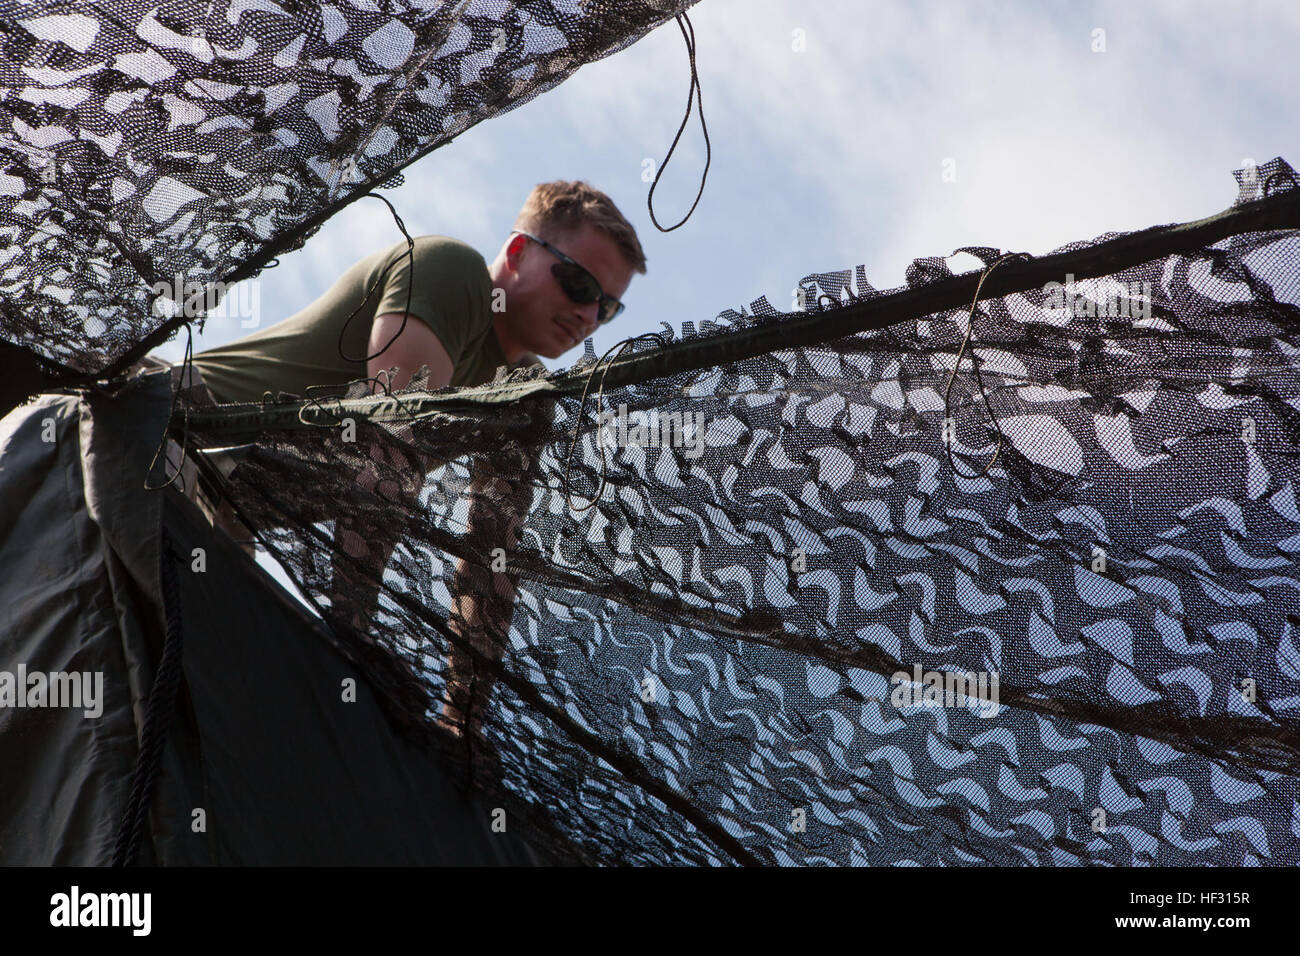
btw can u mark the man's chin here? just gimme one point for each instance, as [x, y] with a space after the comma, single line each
[552, 350]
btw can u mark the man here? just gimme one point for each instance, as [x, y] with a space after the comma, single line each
[562, 270]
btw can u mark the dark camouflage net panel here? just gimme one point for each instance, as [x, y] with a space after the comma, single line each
[202, 138]
[700, 667]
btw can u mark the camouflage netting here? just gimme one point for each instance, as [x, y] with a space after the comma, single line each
[203, 138]
[698, 666]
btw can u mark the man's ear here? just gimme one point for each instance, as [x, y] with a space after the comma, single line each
[515, 249]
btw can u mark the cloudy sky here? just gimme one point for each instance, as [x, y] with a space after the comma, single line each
[832, 123]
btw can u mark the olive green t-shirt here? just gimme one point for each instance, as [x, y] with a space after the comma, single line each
[452, 294]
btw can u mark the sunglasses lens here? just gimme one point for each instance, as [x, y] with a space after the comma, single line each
[576, 282]
[581, 287]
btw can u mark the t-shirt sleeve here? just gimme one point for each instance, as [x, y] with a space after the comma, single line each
[451, 293]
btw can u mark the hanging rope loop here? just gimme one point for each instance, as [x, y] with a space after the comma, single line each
[947, 395]
[658, 337]
[693, 96]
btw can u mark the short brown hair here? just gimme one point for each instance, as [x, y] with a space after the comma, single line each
[558, 208]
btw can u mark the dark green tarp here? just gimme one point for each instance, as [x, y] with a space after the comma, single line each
[260, 738]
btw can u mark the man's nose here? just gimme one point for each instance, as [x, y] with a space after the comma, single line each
[586, 316]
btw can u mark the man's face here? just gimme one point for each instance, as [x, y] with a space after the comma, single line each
[541, 317]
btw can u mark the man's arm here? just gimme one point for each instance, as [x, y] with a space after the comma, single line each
[356, 596]
[416, 345]
[483, 600]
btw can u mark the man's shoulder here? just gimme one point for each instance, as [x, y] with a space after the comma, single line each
[446, 244]
[433, 250]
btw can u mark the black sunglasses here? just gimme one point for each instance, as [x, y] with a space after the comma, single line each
[579, 284]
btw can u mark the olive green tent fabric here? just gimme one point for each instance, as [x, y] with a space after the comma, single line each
[276, 752]
[68, 605]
